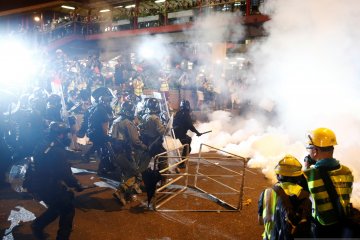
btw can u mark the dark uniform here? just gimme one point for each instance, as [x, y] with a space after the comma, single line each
[53, 108]
[182, 123]
[98, 127]
[50, 181]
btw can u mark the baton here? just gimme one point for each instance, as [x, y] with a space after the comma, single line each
[206, 132]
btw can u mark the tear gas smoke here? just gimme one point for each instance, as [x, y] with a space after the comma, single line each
[307, 67]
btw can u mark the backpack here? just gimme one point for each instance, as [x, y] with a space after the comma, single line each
[292, 215]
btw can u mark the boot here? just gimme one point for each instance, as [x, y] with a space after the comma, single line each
[38, 233]
[120, 196]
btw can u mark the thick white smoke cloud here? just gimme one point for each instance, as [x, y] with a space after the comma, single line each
[308, 66]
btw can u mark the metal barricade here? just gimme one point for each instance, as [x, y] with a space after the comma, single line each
[211, 182]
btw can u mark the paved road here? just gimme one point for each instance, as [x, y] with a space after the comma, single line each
[99, 216]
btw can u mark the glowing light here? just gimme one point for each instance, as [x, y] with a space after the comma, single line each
[119, 6]
[17, 63]
[37, 19]
[130, 6]
[104, 10]
[146, 52]
[68, 7]
[159, 1]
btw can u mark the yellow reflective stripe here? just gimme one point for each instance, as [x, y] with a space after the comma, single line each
[269, 205]
[342, 178]
[324, 207]
[343, 191]
[291, 188]
[321, 195]
[315, 183]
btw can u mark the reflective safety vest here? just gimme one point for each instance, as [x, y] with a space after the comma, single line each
[164, 86]
[138, 87]
[269, 205]
[323, 210]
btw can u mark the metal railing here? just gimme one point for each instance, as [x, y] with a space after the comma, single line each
[210, 182]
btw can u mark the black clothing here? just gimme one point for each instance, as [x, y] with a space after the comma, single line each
[99, 116]
[31, 129]
[53, 114]
[53, 177]
[118, 75]
[181, 124]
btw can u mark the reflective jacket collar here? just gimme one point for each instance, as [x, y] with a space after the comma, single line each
[330, 163]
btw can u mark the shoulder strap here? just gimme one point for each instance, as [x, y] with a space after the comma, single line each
[334, 197]
[283, 196]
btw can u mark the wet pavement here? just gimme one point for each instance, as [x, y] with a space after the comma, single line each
[100, 216]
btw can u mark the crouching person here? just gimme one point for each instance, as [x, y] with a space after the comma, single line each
[132, 157]
[285, 208]
[49, 178]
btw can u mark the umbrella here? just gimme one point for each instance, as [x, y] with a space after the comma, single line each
[150, 178]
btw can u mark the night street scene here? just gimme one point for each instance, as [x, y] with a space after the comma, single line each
[179, 119]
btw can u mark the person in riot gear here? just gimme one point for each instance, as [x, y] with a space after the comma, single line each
[181, 124]
[5, 151]
[98, 127]
[50, 180]
[36, 122]
[132, 157]
[53, 108]
[152, 130]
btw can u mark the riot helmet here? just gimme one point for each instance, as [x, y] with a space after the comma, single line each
[38, 100]
[153, 106]
[128, 110]
[103, 95]
[60, 131]
[185, 105]
[54, 101]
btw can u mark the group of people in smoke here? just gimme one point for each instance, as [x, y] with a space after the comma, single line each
[125, 145]
[286, 210]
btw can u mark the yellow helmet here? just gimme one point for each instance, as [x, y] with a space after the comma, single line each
[289, 166]
[322, 137]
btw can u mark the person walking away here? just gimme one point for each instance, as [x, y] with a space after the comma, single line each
[285, 208]
[50, 182]
[321, 163]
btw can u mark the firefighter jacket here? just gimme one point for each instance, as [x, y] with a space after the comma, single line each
[342, 178]
[267, 205]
